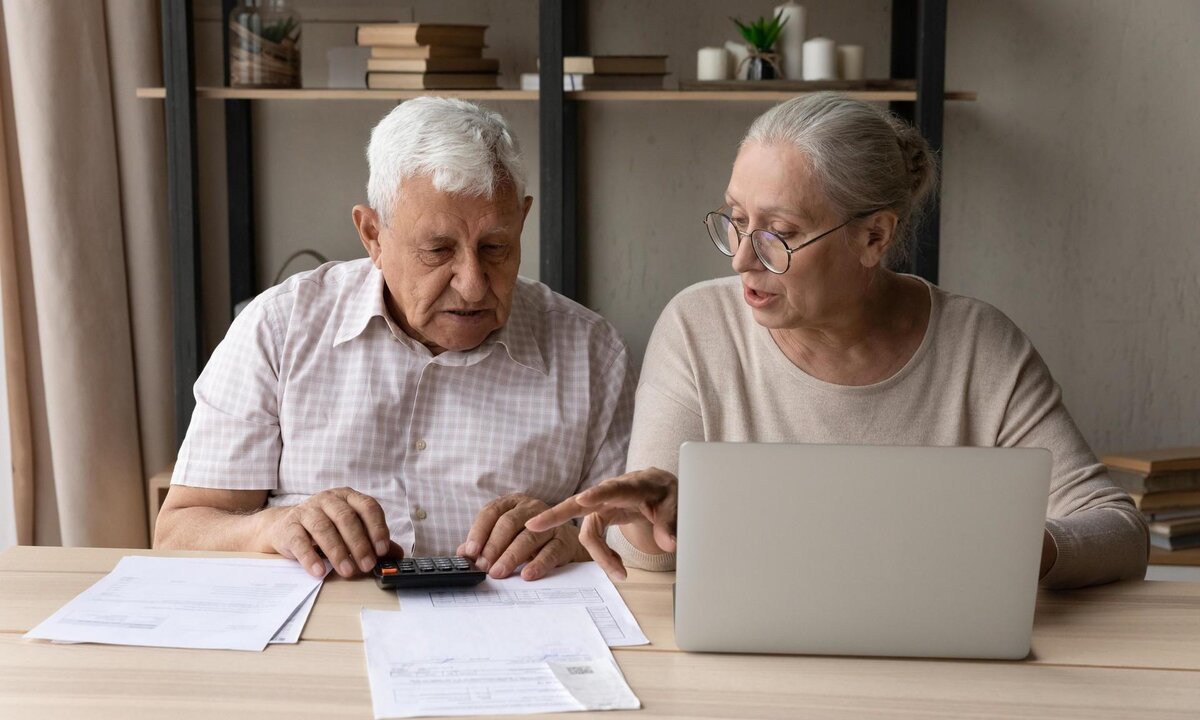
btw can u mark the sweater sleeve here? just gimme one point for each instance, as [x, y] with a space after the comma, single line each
[666, 414]
[1099, 533]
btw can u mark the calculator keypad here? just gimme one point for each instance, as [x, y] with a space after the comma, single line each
[427, 572]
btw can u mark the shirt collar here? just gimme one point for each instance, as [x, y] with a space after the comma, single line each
[365, 303]
[516, 337]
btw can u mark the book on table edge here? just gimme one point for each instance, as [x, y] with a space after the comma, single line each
[1183, 513]
[1136, 482]
[425, 52]
[1184, 542]
[1175, 528]
[432, 81]
[415, 34]
[1168, 500]
[578, 81]
[1151, 462]
[434, 65]
[615, 64]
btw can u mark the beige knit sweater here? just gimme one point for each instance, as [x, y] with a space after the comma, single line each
[712, 373]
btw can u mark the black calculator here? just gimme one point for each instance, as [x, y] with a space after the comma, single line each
[423, 572]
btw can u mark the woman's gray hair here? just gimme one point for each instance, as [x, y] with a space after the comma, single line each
[461, 147]
[865, 158]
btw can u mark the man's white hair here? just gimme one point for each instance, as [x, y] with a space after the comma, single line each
[461, 147]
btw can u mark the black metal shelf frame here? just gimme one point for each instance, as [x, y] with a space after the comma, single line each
[918, 50]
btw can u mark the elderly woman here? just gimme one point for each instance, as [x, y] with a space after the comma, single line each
[817, 341]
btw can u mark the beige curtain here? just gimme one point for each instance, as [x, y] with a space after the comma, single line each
[84, 268]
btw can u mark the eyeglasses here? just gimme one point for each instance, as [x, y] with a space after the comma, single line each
[771, 250]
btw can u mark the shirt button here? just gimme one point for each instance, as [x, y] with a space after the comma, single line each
[420, 513]
[420, 445]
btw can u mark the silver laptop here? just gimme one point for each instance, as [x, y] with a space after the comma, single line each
[859, 550]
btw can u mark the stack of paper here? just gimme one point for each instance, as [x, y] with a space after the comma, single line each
[214, 603]
[503, 646]
[490, 661]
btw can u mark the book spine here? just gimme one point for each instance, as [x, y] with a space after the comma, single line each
[1134, 482]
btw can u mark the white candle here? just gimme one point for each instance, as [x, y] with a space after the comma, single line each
[850, 62]
[712, 63]
[741, 70]
[791, 40]
[820, 59]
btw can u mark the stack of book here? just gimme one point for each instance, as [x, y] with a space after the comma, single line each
[420, 56]
[608, 72]
[1165, 486]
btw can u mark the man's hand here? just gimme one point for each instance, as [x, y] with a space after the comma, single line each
[648, 499]
[498, 541]
[349, 527]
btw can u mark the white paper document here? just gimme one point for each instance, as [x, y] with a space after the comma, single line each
[582, 584]
[289, 634]
[214, 603]
[491, 661]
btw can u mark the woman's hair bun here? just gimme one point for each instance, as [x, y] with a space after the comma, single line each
[918, 158]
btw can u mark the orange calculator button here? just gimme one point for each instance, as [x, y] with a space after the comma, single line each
[388, 571]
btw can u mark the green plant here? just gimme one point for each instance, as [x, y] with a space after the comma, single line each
[280, 30]
[762, 33]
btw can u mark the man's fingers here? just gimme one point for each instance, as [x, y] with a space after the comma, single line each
[481, 529]
[591, 536]
[554, 553]
[557, 515]
[373, 520]
[300, 546]
[353, 535]
[348, 527]
[508, 527]
[522, 547]
[326, 536]
[394, 551]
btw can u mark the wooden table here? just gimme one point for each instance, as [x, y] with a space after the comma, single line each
[1118, 651]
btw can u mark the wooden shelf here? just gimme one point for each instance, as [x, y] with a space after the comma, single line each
[224, 93]
[746, 95]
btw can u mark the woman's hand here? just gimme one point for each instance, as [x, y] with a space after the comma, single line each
[1049, 553]
[647, 498]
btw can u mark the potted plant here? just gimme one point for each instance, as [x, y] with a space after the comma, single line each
[760, 36]
[264, 45]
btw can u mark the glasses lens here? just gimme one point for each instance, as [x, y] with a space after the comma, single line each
[771, 250]
[722, 233]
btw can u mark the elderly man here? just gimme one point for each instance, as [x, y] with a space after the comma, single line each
[425, 400]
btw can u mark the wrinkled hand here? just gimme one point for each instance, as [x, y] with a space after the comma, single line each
[498, 541]
[648, 498]
[346, 525]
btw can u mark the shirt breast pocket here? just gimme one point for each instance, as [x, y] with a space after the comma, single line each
[338, 433]
[546, 462]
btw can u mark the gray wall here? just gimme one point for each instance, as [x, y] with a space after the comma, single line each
[1072, 199]
[1070, 186]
